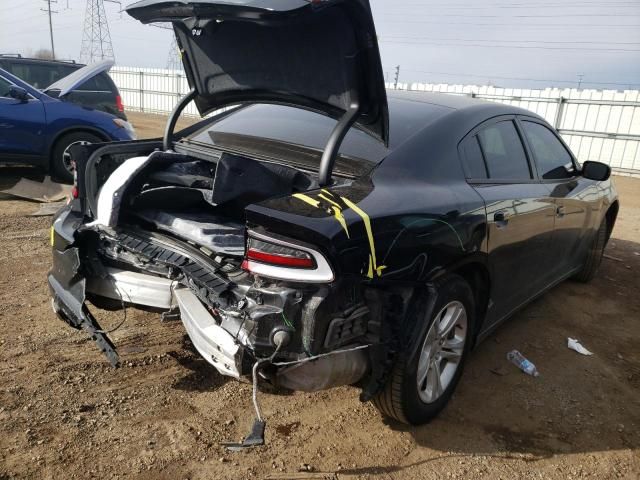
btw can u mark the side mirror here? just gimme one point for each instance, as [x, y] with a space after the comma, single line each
[596, 171]
[18, 93]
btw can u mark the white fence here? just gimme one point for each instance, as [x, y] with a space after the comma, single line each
[599, 125]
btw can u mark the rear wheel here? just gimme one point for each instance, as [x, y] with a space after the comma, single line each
[422, 383]
[61, 165]
[594, 256]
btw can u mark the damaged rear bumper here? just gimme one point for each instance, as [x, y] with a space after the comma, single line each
[233, 320]
[69, 288]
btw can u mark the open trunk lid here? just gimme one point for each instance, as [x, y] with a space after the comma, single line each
[321, 55]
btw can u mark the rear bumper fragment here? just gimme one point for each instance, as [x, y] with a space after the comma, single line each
[215, 344]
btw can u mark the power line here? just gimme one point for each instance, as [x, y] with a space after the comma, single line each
[547, 42]
[519, 25]
[527, 47]
[521, 5]
[556, 15]
[491, 76]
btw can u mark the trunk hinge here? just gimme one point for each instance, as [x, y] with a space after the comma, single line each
[332, 148]
[173, 118]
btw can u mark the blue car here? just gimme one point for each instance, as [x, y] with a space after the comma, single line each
[38, 127]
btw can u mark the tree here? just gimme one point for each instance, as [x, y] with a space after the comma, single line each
[44, 54]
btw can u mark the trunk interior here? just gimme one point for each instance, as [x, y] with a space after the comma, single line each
[203, 202]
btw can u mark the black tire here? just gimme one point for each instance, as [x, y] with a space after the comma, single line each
[594, 256]
[59, 170]
[400, 398]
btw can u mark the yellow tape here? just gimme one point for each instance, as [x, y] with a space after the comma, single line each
[52, 235]
[307, 199]
[337, 213]
[373, 263]
[335, 208]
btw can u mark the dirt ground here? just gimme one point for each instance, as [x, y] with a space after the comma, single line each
[65, 413]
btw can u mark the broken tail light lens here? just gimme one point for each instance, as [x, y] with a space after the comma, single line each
[280, 255]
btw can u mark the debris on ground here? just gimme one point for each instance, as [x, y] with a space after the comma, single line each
[515, 357]
[574, 344]
[46, 191]
[48, 209]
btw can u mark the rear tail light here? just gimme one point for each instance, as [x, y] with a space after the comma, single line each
[273, 254]
[283, 260]
[119, 103]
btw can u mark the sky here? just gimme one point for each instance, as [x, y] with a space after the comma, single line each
[508, 43]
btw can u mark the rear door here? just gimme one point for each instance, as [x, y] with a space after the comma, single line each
[520, 214]
[574, 197]
[21, 126]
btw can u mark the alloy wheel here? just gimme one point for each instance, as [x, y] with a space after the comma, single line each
[442, 350]
[66, 155]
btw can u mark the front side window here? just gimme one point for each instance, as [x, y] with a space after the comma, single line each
[551, 157]
[4, 87]
[503, 152]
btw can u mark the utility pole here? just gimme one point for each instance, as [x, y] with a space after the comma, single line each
[580, 76]
[49, 11]
[395, 86]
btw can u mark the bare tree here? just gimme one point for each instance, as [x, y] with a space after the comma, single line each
[44, 54]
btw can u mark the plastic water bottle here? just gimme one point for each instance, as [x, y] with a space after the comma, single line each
[515, 357]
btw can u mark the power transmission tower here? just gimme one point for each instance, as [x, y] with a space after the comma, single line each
[395, 86]
[96, 39]
[49, 11]
[174, 61]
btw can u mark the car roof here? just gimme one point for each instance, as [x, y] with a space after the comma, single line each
[460, 112]
[20, 58]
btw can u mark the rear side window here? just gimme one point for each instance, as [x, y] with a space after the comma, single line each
[504, 153]
[39, 75]
[99, 83]
[473, 160]
[551, 157]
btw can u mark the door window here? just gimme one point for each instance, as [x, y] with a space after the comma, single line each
[4, 87]
[473, 159]
[551, 157]
[503, 152]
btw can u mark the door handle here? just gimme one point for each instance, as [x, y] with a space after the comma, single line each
[560, 211]
[501, 217]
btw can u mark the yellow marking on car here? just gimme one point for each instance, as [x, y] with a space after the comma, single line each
[52, 234]
[337, 211]
[307, 199]
[334, 208]
[373, 262]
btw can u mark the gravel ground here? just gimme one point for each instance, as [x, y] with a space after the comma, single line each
[64, 413]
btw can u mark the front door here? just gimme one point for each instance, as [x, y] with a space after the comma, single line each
[22, 125]
[575, 197]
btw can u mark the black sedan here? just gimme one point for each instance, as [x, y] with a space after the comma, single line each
[319, 232]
